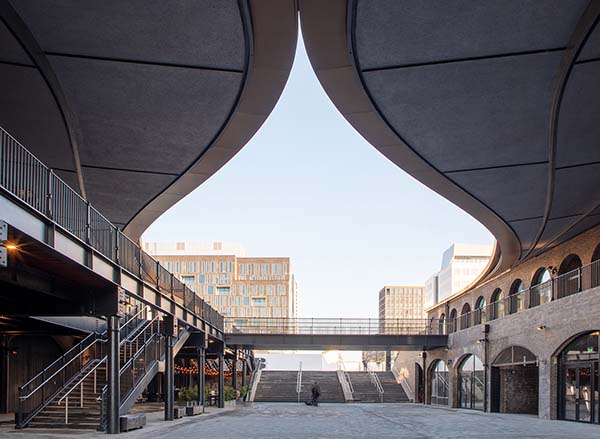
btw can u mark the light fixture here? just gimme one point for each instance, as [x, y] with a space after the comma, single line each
[541, 327]
[10, 246]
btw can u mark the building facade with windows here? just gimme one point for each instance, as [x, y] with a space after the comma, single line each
[461, 265]
[401, 302]
[236, 286]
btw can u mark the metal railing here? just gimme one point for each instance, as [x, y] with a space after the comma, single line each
[564, 285]
[377, 383]
[323, 326]
[40, 390]
[146, 350]
[46, 385]
[79, 385]
[26, 178]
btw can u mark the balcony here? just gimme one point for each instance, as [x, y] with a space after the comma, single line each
[564, 285]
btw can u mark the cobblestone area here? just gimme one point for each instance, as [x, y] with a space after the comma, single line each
[345, 421]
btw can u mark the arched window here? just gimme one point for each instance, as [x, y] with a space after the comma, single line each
[470, 383]
[516, 300]
[465, 316]
[595, 268]
[478, 311]
[439, 380]
[452, 322]
[569, 276]
[497, 306]
[541, 287]
[443, 324]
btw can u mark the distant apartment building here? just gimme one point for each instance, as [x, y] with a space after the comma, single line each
[401, 302]
[461, 264]
[235, 285]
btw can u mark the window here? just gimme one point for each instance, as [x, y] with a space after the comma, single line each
[188, 279]
[439, 383]
[259, 301]
[211, 289]
[470, 383]
[478, 312]
[223, 290]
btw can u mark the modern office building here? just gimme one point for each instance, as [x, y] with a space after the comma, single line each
[431, 290]
[236, 286]
[461, 265]
[401, 302]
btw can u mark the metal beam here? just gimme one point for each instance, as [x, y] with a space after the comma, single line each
[337, 342]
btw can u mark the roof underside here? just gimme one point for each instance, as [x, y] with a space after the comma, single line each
[122, 99]
[467, 92]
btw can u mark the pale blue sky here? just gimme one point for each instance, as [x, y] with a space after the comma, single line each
[308, 186]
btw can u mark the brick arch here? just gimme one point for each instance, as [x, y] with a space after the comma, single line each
[566, 342]
[569, 263]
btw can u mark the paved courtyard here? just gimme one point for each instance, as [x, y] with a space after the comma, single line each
[344, 421]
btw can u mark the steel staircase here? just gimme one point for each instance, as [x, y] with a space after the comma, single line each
[71, 392]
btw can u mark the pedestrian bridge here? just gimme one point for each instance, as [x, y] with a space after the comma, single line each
[334, 334]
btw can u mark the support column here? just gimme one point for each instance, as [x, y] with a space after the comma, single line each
[201, 360]
[169, 390]
[244, 373]
[4, 374]
[114, 385]
[426, 386]
[388, 361]
[221, 403]
[234, 382]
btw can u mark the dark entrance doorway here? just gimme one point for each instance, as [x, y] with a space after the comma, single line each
[579, 384]
[514, 382]
[419, 384]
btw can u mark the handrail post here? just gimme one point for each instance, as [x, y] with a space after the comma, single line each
[49, 195]
[88, 219]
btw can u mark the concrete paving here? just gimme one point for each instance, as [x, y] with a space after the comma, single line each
[345, 421]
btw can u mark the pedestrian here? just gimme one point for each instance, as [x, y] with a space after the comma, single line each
[315, 393]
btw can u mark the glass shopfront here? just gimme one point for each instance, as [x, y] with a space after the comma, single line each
[580, 380]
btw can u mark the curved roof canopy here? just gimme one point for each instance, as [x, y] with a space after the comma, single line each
[136, 103]
[494, 105]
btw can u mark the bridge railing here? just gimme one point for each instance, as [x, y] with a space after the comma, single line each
[332, 326]
[25, 177]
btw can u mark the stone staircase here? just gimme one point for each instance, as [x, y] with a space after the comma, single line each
[280, 386]
[364, 389]
[393, 391]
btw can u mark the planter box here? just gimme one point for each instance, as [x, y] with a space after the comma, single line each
[178, 412]
[194, 410]
[132, 422]
[230, 403]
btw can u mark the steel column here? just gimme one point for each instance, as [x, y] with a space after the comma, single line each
[388, 361]
[4, 374]
[114, 396]
[221, 403]
[234, 370]
[201, 361]
[169, 390]
[244, 372]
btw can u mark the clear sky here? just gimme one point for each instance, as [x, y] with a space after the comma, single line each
[308, 186]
